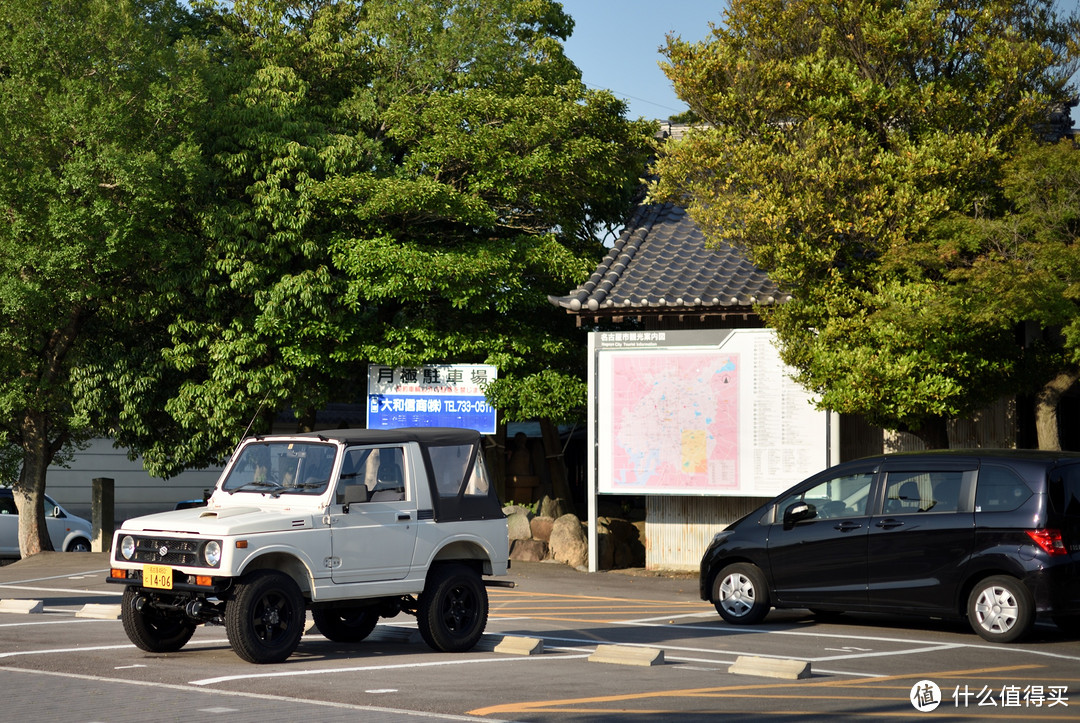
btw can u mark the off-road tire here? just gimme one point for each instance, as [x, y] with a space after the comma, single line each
[150, 629]
[453, 608]
[265, 616]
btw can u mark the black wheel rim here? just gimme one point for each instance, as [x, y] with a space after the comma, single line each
[460, 608]
[271, 617]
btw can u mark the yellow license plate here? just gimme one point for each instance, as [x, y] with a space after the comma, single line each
[159, 576]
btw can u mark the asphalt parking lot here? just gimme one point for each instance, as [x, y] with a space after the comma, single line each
[598, 633]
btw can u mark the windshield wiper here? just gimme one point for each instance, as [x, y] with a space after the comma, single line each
[259, 485]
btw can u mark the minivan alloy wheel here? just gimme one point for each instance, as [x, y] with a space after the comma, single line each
[741, 595]
[1000, 609]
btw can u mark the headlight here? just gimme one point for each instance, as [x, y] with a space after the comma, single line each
[212, 553]
[127, 547]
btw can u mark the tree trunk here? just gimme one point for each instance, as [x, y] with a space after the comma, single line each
[556, 465]
[1046, 408]
[29, 491]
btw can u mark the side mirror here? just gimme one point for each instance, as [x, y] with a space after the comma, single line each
[353, 493]
[56, 512]
[797, 512]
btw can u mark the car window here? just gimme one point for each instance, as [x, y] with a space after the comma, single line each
[285, 467]
[1064, 490]
[844, 496]
[7, 506]
[381, 470]
[918, 492]
[999, 489]
[450, 463]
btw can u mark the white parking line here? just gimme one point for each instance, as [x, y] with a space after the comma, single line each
[368, 668]
[71, 591]
[62, 621]
[69, 576]
[55, 651]
[764, 630]
[257, 696]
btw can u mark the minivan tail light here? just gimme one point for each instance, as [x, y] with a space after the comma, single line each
[1049, 540]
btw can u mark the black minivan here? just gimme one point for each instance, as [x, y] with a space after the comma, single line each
[993, 536]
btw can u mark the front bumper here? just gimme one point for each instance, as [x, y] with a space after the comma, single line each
[181, 583]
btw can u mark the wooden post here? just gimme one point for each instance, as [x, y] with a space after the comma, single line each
[102, 513]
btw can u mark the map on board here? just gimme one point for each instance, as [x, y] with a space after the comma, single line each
[708, 412]
[675, 421]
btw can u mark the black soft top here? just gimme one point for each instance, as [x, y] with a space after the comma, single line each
[437, 436]
[452, 500]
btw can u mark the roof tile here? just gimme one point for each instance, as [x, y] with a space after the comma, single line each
[661, 260]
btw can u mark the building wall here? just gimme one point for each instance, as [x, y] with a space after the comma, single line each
[678, 529]
[136, 492]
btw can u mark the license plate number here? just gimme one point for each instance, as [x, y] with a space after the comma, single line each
[158, 576]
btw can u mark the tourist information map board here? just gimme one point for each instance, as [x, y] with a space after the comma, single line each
[700, 413]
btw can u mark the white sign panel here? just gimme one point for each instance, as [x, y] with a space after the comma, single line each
[701, 412]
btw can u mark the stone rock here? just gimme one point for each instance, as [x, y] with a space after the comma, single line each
[511, 509]
[605, 546]
[553, 508]
[568, 542]
[529, 550]
[541, 528]
[619, 544]
[518, 527]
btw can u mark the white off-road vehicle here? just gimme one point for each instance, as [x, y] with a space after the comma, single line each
[351, 524]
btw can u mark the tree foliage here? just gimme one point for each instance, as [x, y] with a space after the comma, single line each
[1020, 269]
[394, 183]
[840, 136]
[97, 168]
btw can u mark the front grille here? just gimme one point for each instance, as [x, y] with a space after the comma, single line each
[177, 552]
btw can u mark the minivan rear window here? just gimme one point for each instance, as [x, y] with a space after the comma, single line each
[1064, 489]
[999, 489]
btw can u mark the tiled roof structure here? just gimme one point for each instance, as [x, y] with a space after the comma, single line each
[660, 266]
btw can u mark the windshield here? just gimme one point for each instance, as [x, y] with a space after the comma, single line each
[277, 468]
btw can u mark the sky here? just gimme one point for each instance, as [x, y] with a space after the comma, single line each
[616, 46]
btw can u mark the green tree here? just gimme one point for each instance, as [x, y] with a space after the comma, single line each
[95, 107]
[1020, 269]
[840, 135]
[396, 183]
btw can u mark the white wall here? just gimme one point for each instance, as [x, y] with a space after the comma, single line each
[136, 492]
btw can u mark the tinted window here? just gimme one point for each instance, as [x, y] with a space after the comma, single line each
[999, 489]
[836, 497]
[1065, 490]
[915, 492]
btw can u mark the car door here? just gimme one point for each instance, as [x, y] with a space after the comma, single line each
[821, 559]
[921, 533]
[9, 526]
[374, 539]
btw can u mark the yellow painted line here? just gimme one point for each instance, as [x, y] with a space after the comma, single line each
[573, 705]
[957, 714]
[501, 592]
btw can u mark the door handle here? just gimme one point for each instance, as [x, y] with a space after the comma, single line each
[889, 523]
[403, 516]
[847, 526]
